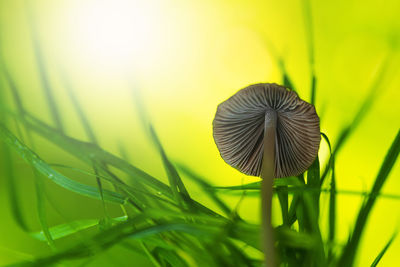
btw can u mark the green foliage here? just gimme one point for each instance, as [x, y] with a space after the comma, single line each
[174, 221]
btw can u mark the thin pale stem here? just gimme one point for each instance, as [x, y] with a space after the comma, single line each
[267, 176]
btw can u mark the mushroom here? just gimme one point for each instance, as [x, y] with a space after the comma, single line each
[267, 130]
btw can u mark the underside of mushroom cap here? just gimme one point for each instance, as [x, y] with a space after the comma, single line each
[239, 124]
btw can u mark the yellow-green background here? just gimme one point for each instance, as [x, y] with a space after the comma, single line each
[197, 54]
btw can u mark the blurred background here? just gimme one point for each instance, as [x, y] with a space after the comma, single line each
[180, 59]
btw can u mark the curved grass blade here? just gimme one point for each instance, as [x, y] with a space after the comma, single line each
[332, 196]
[195, 177]
[178, 188]
[41, 209]
[350, 249]
[32, 159]
[383, 251]
[64, 230]
[150, 254]
[329, 165]
[67, 229]
[325, 137]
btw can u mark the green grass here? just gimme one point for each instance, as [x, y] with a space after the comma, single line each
[174, 228]
[164, 221]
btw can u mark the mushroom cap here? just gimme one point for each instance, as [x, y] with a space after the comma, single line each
[239, 124]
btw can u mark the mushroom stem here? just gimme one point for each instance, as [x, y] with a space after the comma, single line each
[267, 176]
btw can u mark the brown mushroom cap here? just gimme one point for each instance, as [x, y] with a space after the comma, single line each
[239, 124]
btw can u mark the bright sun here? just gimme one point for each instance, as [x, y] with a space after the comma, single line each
[117, 33]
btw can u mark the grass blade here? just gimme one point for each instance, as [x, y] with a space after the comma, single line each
[313, 182]
[288, 181]
[383, 251]
[350, 249]
[67, 229]
[64, 230]
[332, 205]
[283, 197]
[206, 186]
[178, 188]
[41, 209]
[151, 255]
[176, 184]
[332, 197]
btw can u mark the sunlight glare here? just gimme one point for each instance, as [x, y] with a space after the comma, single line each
[117, 34]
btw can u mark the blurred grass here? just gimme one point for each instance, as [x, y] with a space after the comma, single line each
[196, 224]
